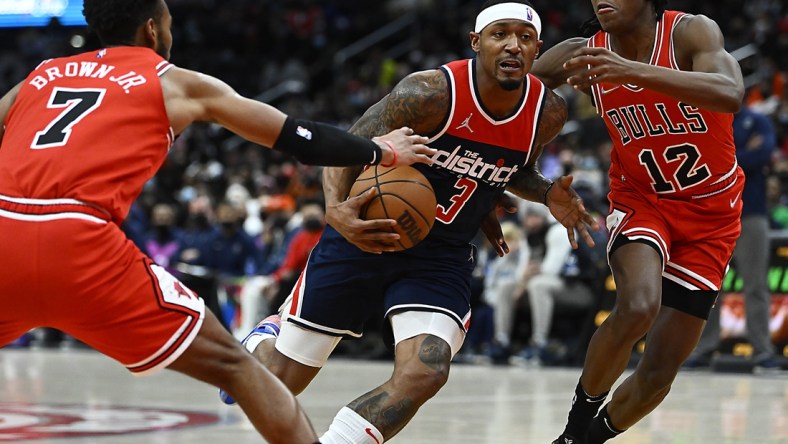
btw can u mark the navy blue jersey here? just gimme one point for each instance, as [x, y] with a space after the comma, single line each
[342, 286]
[477, 153]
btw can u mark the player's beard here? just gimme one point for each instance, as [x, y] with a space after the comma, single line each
[161, 48]
[510, 84]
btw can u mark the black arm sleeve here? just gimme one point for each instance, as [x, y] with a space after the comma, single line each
[315, 143]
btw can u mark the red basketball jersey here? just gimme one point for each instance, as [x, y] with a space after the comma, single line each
[92, 127]
[469, 120]
[661, 145]
[478, 153]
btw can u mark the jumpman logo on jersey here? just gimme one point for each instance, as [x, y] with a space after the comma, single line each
[466, 123]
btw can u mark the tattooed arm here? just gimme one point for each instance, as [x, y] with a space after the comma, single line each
[529, 183]
[420, 102]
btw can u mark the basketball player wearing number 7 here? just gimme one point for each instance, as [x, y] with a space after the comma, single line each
[488, 119]
[666, 89]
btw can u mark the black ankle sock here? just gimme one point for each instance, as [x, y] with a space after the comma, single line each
[602, 428]
[584, 408]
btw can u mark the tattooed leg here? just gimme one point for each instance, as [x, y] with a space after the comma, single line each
[421, 368]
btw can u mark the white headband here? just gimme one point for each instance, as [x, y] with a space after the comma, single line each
[501, 11]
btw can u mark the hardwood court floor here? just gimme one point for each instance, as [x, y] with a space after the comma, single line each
[43, 391]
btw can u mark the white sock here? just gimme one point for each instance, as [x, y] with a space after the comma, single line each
[349, 427]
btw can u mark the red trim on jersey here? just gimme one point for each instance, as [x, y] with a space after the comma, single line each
[687, 279]
[297, 294]
[182, 336]
[650, 235]
[470, 121]
[54, 207]
[627, 212]
[659, 40]
[193, 320]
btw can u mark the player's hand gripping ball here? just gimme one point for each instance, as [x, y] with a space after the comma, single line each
[405, 195]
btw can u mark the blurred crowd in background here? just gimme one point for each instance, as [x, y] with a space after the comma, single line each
[237, 221]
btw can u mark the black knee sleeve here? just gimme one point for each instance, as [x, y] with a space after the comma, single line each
[697, 303]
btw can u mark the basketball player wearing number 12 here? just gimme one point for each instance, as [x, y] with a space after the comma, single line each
[666, 89]
[489, 119]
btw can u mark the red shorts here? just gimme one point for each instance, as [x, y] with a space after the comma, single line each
[696, 237]
[63, 265]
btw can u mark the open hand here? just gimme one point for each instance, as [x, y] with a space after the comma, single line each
[402, 147]
[491, 226]
[568, 209]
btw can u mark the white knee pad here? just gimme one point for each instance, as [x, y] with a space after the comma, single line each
[410, 324]
[305, 346]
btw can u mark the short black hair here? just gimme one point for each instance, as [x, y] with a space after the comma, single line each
[489, 3]
[592, 26]
[116, 21]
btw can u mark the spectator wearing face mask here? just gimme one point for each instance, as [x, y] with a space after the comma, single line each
[262, 294]
[162, 242]
[230, 251]
[196, 233]
[276, 212]
[312, 223]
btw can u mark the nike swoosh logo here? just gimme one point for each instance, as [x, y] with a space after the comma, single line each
[633, 88]
[369, 432]
[605, 91]
[735, 199]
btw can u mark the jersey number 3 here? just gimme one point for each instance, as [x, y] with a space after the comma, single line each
[77, 104]
[467, 187]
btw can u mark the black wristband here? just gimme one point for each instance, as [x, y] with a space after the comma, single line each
[315, 143]
[547, 190]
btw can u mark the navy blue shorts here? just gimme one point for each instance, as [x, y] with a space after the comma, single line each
[342, 286]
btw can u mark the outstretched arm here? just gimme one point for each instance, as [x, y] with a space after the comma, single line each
[529, 183]
[420, 101]
[710, 78]
[190, 96]
[549, 67]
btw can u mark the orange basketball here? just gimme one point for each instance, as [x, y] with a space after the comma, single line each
[405, 195]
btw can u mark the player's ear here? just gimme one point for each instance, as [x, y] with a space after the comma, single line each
[475, 41]
[150, 32]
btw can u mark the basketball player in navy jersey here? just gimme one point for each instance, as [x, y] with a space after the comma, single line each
[666, 89]
[489, 120]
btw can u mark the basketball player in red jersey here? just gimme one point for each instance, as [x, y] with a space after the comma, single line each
[81, 136]
[489, 120]
[666, 89]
